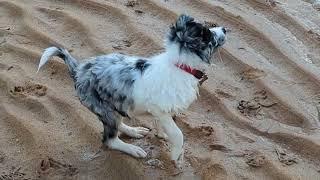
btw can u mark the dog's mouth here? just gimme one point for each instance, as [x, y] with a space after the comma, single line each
[221, 42]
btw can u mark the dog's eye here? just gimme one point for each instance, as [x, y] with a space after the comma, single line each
[206, 34]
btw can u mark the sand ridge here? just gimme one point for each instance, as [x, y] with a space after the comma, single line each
[256, 116]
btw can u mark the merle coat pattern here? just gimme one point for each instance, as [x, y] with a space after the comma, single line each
[105, 84]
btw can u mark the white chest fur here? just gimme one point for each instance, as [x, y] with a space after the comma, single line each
[165, 87]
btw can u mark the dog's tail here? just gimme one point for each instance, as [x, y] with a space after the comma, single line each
[70, 61]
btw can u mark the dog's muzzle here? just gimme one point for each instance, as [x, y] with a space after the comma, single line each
[220, 34]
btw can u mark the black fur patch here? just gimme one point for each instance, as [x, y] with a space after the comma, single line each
[193, 37]
[87, 66]
[122, 98]
[61, 55]
[142, 65]
[129, 82]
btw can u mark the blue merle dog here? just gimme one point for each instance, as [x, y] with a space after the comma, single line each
[114, 86]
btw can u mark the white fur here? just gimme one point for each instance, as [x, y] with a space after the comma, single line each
[175, 136]
[49, 52]
[118, 144]
[135, 132]
[165, 87]
[220, 34]
[159, 130]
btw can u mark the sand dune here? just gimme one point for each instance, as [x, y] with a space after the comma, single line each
[256, 117]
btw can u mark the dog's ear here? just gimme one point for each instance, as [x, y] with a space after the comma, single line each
[189, 34]
[182, 22]
[178, 30]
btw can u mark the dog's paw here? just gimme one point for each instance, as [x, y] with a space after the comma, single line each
[177, 156]
[136, 151]
[162, 135]
[138, 132]
[135, 132]
[118, 144]
[179, 163]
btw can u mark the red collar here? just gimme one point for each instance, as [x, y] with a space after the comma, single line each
[195, 72]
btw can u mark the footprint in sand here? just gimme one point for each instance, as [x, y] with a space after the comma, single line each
[50, 166]
[30, 89]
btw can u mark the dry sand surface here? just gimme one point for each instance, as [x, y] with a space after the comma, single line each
[256, 117]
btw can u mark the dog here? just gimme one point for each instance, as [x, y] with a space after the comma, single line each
[115, 86]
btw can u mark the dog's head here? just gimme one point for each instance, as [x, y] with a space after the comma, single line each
[193, 37]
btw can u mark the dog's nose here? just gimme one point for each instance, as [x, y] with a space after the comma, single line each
[224, 30]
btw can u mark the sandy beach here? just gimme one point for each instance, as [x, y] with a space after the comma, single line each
[256, 117]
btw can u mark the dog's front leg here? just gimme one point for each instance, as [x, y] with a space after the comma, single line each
[175, 137]
[159, 130]
[135, 132]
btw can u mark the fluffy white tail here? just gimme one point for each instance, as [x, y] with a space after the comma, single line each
[63, 54]
[47, 54]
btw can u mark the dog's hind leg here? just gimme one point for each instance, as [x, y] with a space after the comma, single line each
[110, 136]
[118, 144]
[135, 132]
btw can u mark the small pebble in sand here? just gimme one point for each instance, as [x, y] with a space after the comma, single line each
[218, 147]
[138, 11]
[9, 68]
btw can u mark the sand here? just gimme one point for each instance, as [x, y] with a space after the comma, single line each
[256, 117]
